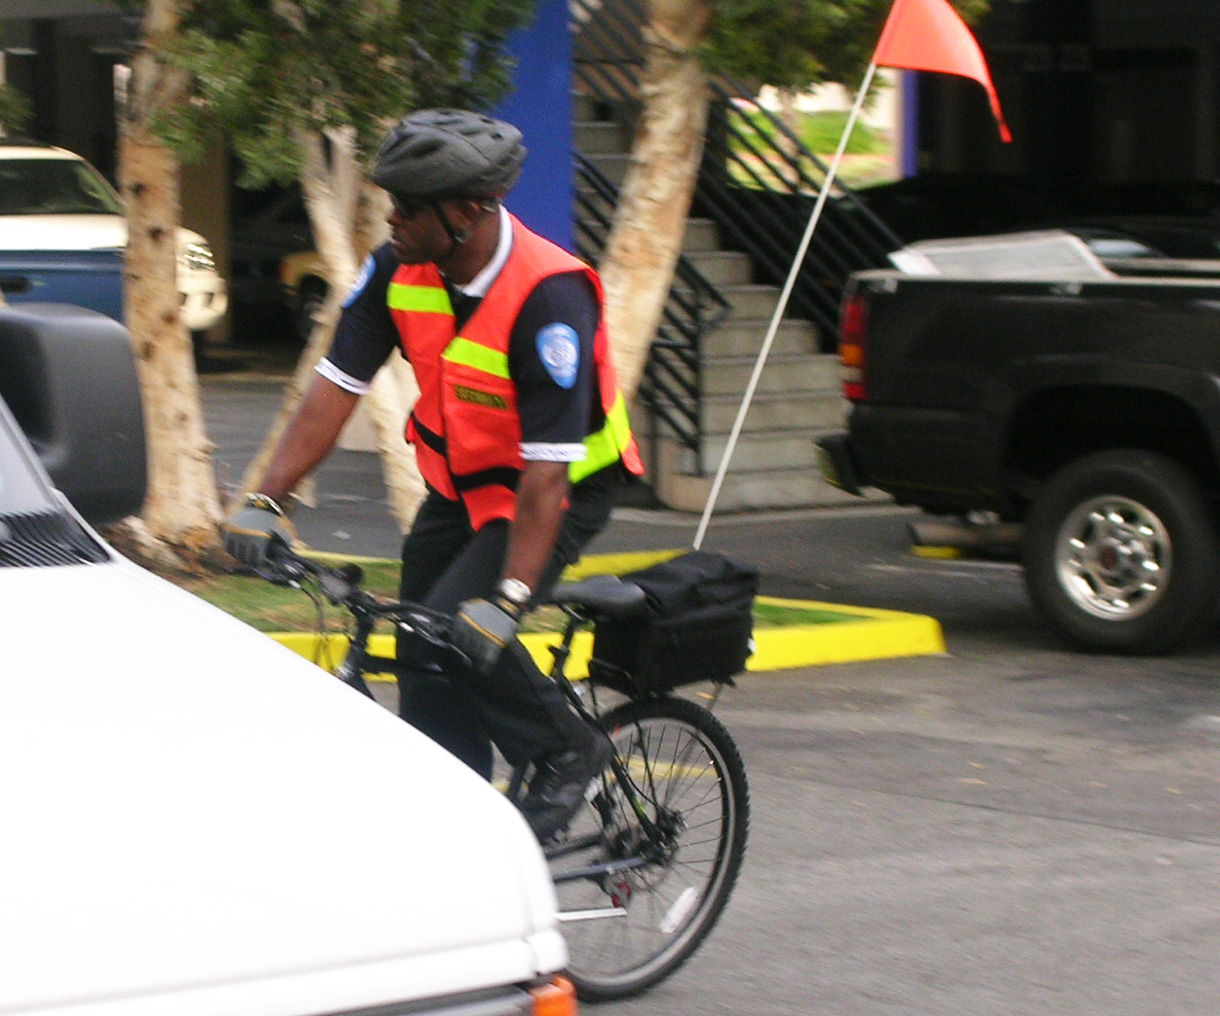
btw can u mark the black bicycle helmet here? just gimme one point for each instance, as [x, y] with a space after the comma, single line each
[445, 153]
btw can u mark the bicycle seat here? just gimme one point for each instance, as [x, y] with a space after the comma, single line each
[601, 594]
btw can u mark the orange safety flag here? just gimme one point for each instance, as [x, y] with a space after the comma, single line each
[929, 35]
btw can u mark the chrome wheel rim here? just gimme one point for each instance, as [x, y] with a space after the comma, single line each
[1114, 558]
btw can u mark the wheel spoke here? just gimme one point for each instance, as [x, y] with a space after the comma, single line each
[689, 777]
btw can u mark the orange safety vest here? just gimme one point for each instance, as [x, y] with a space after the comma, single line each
[465, 426]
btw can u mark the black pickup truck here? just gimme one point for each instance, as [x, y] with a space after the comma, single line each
[1081, 411]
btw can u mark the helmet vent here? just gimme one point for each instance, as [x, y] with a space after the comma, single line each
[442, 153]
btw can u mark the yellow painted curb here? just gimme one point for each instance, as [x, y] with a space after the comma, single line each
[871, 635]
[616, 564]
[938, 553]
[874, 635]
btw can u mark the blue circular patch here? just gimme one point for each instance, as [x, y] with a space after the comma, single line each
[559, 350]
[362, 280]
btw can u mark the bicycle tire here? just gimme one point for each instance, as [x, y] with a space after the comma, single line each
[685, 764]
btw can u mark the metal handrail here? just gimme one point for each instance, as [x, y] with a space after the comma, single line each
[765, 219]
[672, 382]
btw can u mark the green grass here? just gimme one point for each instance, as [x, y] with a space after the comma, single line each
[869, 157]
[274, 608]
[269, 607]
[818, 132]
[783, 615]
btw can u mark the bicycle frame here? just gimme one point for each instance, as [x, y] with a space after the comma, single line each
[632, 827]
[358, 661]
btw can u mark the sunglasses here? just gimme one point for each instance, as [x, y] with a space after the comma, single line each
[408, 208]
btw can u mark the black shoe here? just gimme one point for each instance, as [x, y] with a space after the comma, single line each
[558, 786]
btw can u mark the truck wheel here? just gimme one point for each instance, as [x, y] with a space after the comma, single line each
[1121, 552]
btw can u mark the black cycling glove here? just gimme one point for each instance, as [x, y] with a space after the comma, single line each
[248, 533]
[483, 628]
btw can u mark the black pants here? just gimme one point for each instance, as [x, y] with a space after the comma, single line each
[515, 707]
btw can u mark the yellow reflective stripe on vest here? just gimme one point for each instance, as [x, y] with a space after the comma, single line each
[606, 446]
[424, 299]
[477, 357]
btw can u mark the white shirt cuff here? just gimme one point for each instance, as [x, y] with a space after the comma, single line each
[541, 452]
[345, 381]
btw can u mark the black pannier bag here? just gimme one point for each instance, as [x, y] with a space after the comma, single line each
[697, 627]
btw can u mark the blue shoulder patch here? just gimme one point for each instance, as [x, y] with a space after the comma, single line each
[559, 350]
[362, 280]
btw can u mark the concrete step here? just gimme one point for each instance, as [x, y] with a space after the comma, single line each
[769, 469]
[744, 337]
[752, 300]
[722, 267]
[783, 372]
[774, 464]
[701, 235]
[770, 411]
[585, 107]
[591, 107]
[762, 451]
[613, 166]
[790, 488]
[600, 137]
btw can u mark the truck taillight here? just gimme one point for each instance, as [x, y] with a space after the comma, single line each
[853, 326]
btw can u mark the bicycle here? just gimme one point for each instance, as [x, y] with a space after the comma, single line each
[648, 864]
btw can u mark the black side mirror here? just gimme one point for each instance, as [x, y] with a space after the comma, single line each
[69, 377]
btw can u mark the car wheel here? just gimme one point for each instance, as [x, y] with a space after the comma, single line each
[1121, 551]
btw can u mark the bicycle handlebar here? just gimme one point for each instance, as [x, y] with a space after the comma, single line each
[341, 586]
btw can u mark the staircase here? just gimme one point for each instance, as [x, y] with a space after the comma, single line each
[798, 396]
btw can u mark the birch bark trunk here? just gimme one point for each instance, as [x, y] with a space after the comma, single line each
[790, 172]
[348, 218]
[642, 251]
[182, 507]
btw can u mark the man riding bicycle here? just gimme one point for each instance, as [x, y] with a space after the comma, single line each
[520, 434]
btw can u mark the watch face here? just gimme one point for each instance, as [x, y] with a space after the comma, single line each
[515, 590]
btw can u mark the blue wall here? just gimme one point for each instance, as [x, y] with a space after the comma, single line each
[541, 106]
[910, 123]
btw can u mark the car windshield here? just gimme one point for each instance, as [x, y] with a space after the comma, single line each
[54, 187]
[22, 490]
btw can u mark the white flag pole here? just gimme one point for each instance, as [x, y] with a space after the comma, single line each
[782, 306]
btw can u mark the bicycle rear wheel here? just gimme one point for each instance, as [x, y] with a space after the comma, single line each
[632, 926]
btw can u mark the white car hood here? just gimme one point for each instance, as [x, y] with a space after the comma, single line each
[190, 808]
[63, 232]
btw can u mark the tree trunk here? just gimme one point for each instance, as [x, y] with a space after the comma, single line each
[789, 116]
[394, 392]
[637, 267]
[183, 506]
[348, 219]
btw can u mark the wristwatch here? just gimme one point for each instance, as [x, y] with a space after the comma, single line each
[515, 591]
[266, 503]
